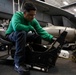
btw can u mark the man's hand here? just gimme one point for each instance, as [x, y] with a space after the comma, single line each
[32, 29]
[52, 40]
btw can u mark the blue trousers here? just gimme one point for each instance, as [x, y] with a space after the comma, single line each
[21, 38]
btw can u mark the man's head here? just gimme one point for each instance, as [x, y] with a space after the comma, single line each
[29, 11]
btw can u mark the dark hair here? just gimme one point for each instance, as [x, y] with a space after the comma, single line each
[28, 6]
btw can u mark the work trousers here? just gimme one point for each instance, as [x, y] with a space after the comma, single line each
[21, 38]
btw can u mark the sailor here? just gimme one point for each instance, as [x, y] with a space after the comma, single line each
[20, 24]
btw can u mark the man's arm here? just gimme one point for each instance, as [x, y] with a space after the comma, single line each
[44, 34]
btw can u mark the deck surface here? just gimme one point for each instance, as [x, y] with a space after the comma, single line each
[63, 67]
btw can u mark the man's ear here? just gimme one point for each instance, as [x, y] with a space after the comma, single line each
[24, 13]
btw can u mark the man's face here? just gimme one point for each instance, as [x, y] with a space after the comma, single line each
[30, 15]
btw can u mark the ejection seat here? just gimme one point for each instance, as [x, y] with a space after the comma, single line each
[38, 58]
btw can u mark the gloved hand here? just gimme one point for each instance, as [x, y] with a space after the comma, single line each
[31, 28]
[52, 40]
